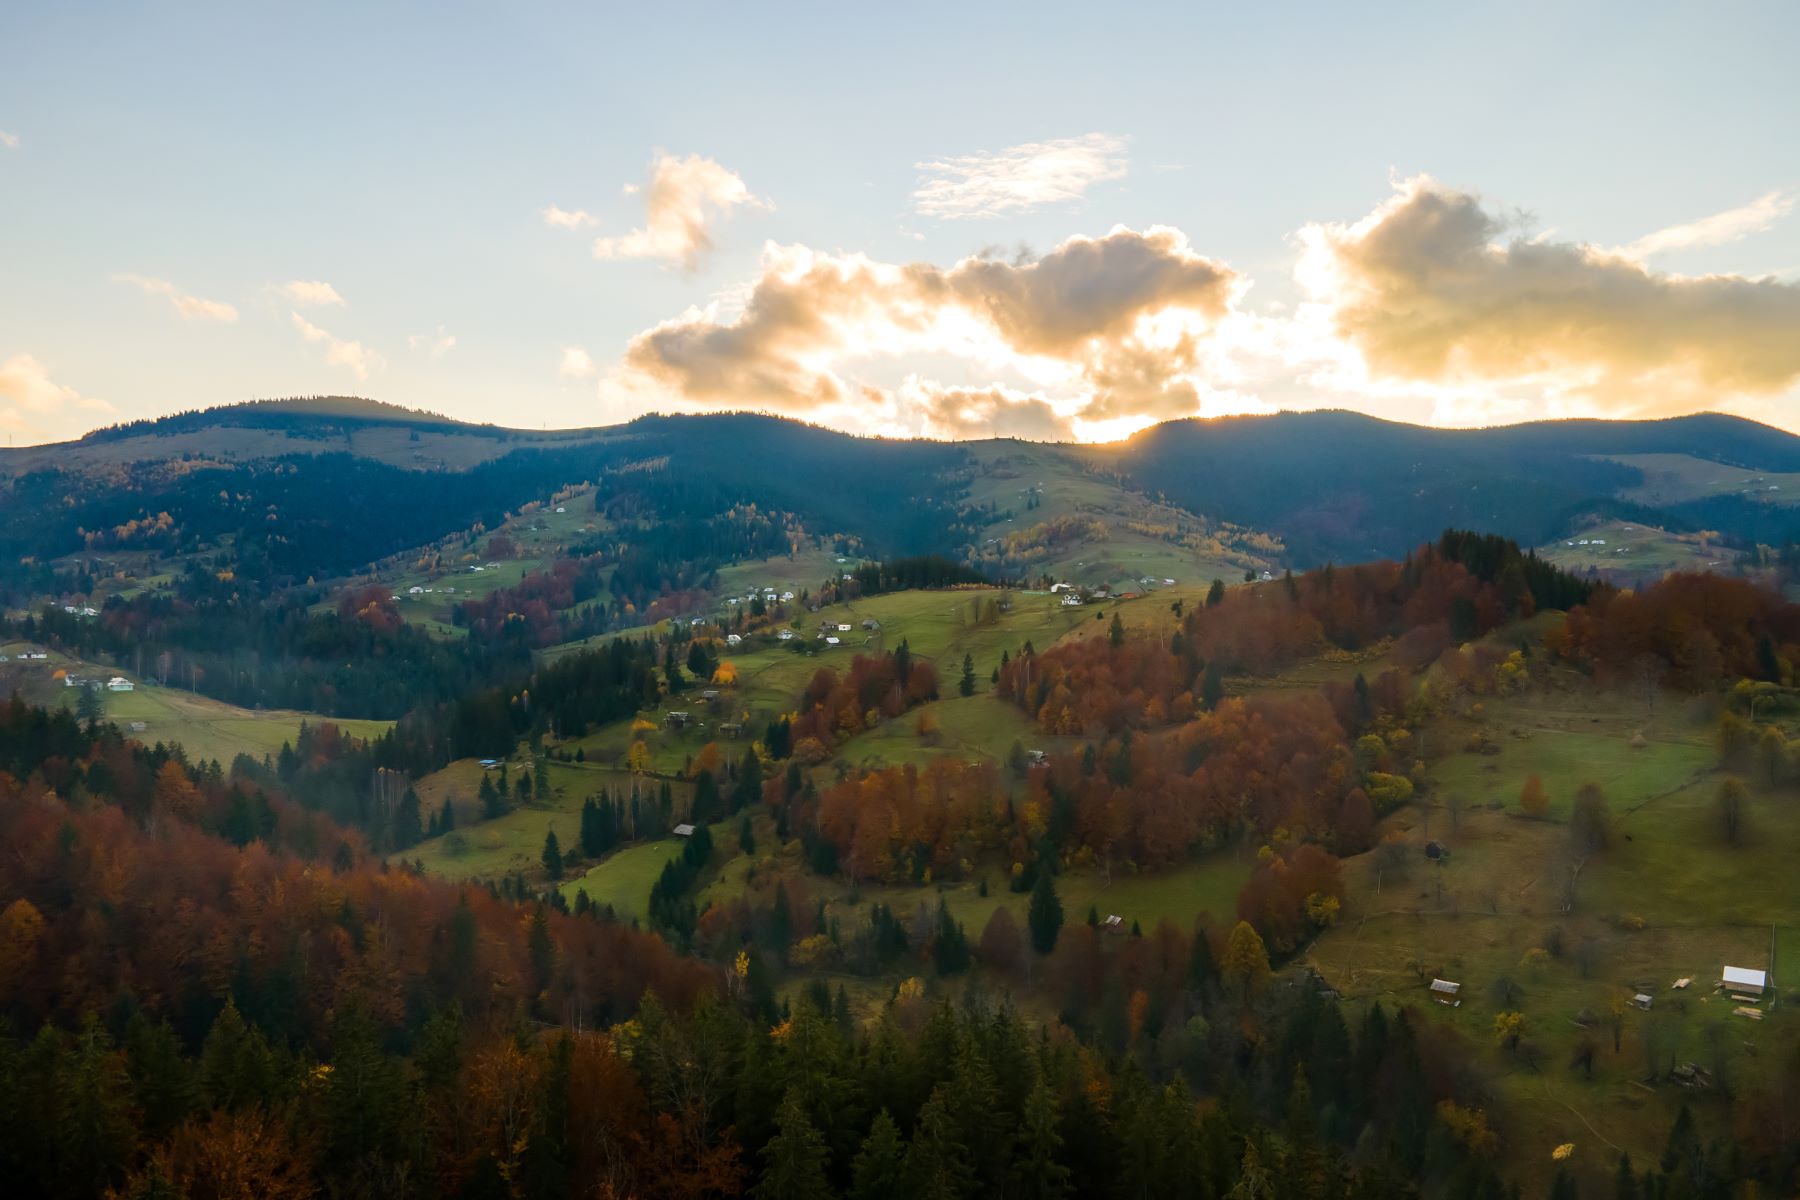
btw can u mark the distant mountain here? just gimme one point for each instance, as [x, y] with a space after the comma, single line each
[1340, 485]
[327, 485]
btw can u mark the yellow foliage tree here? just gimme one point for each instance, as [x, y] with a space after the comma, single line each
[1246, 960]
[1533, 800]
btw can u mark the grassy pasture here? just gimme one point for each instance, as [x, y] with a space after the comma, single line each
[205, 728]
[1668, 899]
[1677, 478]
[515, 841]
[1009, 473]
[1636, 551]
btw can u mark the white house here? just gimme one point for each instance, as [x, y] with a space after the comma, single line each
[733, 640]
[1071, 600]
[1445, 991]
[684, 830]
[786, 597]
[786, 635]
[831, 641]
[118, 683]
[560, 508]
[1742, 981]
[843, 627]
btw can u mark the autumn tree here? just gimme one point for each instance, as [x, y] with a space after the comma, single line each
[1246, 960]
[1533, 800]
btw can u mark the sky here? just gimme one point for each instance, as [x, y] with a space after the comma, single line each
[1048, 221]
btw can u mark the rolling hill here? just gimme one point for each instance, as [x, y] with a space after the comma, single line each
[326, 487]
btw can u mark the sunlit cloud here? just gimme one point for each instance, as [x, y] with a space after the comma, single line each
[567, 218]
[315, 292]
[577, 363]
[9, 140]
[193, 308]
[354, 356]
[36, 407]
[1019, 178]
[1729, 226]
[686, 196]
[435, 345]
[1429, 289]
[1095, 328]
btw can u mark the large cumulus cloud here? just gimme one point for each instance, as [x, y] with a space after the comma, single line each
[1109, 323]
[1434, 286]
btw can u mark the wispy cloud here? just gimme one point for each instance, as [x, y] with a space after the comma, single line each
[339, 352]
[567, 218]
[1716, 230]
[9, 140]
[434, 344]
[577, 363]
[194, 308]
[686, 196]
[311, 292]
[1018, 178]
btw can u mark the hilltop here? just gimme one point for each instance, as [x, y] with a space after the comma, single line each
[1295, 489]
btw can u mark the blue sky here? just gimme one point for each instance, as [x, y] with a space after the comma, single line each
[1426, 213]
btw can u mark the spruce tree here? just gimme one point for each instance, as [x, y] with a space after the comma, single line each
[794, 1160]
[1045, 915]
[1037, 1171]
[553, 863]
[966, 685]
[879, 1170]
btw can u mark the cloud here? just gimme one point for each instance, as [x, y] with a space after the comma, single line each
[685, 196]
[1729, 226]
[338, 352]
[1429, 288]
[1104, 325]
[1018, 178]
[36, 406]
[434, 344]
[576, 364]
[957, 413]
[194, 308]
[566, 218]
[9, 140]
[311, 292]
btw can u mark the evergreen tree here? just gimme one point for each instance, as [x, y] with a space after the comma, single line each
[1625, 1184]
[541, 950]
[794, 1160]
[966, 685]
[552, 856]
[1037, 1169]
[446, 817]
[1045, 916]
[1215, 595]
[746, 836]
[493, 801]
[879, 1172]
[938, 1165]
[950, 948]
[1116, 632]
[1212, 687]
[407, 831]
